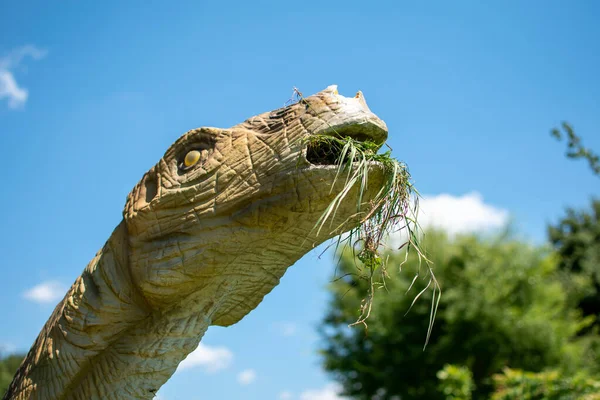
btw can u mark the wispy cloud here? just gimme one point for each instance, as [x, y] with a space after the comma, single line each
[211, 359]
[460, 214]
[46, 292]
[330, 391]
[9, 88]
[246, 377]
[7, 348]
[285, 395]
[285, 328]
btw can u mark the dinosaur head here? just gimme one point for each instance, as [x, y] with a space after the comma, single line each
[246, 198]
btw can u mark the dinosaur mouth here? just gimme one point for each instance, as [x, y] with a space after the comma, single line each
[325, 153]
[329, 152]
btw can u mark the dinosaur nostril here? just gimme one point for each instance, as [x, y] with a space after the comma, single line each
[145, 191]
[150, 187]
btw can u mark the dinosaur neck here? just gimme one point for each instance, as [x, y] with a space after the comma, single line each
[105, 340]
[101, 304]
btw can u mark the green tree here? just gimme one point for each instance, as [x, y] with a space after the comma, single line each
[575, 148]
[549, 385]
[502, 306]
[576, 239]
[456, 382]
[8, 367]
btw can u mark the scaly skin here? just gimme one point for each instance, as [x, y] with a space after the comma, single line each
[196, 247]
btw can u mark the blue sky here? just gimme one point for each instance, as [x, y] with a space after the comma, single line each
[469, 92]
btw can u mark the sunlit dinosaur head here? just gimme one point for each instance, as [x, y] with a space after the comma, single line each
[246, 195]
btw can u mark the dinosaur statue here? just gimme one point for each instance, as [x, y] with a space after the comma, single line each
[206, 234]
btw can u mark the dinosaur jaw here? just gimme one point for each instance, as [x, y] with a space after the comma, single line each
[352, 119]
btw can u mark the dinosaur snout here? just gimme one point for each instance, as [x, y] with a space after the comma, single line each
[352, 118]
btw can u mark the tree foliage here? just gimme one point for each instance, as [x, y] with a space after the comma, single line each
[503, 305]
[456, 382]
[549, 385]
[8, 367]
[576, 239]
[575, 148]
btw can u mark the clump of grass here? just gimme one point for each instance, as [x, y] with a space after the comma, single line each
[393, 209]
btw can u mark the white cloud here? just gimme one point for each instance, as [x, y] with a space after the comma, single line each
[9, 88]
[246, 377]
[211, 359]
[462, 214]
[286, 328]
[46, 292]
[331, 391]
[285, 395]
[14, 58]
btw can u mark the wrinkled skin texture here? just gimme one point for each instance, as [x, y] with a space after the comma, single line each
[196, 247]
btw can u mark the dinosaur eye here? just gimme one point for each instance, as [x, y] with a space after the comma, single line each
[191, 158]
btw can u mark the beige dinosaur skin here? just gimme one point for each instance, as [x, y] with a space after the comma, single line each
[196, 247]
